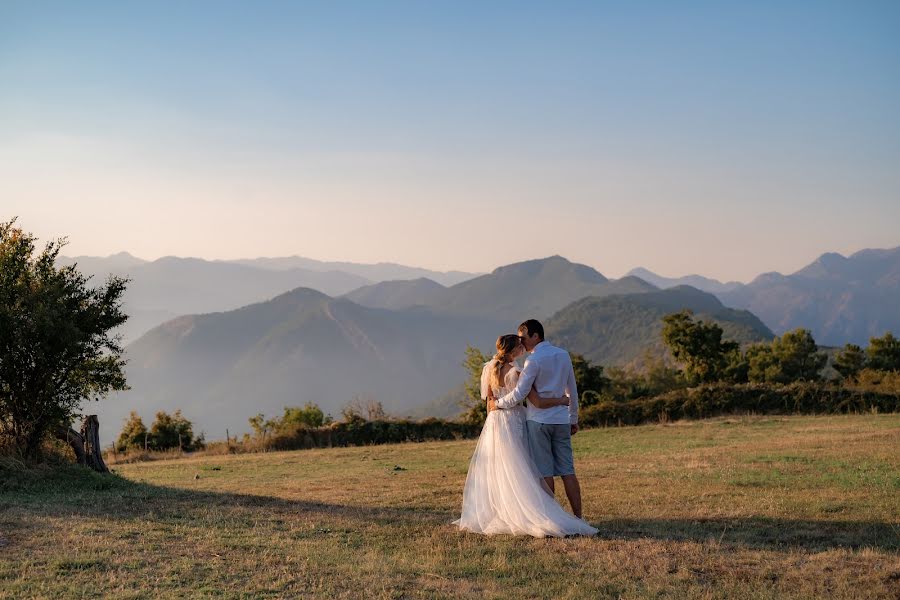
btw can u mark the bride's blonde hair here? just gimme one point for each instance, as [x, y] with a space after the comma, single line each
[506, 345]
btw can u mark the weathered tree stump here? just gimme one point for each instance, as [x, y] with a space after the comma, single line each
[85, 445]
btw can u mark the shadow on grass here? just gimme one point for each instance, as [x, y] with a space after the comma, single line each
[79, 492]
[76, 491]
[765, 533]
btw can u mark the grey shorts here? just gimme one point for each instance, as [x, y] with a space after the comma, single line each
[551, 448]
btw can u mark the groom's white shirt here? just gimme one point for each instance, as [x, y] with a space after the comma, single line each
[549, 370]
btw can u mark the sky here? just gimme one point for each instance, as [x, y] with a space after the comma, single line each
[721, 138]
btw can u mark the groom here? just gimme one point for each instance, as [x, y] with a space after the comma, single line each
[550, 430]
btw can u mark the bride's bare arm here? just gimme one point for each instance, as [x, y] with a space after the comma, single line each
[539, 402]
[491, 401]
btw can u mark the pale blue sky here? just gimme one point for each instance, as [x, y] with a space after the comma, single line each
[723, 138]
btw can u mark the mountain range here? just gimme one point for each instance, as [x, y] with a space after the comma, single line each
[697, 281]
[253, 336]
[163, 289]
[306, 346]
[840, 299]
[384, 271]
[537, 288]
[301, 346]
[619, 329]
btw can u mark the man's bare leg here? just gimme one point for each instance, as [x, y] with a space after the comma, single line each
[573, 493]
[550, 484]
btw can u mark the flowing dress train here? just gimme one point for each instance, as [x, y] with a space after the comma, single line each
[504, 492]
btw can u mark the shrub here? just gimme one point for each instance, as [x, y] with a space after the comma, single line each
[719, 399]
[360, 432]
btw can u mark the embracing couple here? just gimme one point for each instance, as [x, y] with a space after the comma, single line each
[509, 488]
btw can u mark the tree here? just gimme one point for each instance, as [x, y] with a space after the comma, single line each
[761, 363]
[262, 427]
[698, 345]
[310, 415]
[133, 433]
[172, 431]
[475, 407]
[884, 353]
[798, 355]
[737, 369]
[850, 361]
[588, 377]
[791, 357]
[56, 343]
[658, 376]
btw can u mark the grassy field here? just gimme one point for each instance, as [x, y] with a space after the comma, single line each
[798, 507]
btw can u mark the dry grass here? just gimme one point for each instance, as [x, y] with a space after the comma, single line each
[791, 507]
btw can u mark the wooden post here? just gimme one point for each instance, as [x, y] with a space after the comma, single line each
[179, 443]
[85, 445]
[90, 432]
[227, 439]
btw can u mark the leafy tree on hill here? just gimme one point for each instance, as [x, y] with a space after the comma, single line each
[56, 343]
[761, 363]
[698, 345]
[168, 430]
[850, 361]
[475, 408]
[791, 357]
[737, 369]
[133, 433]
[884, 353]
[310, 415]
[588, 377]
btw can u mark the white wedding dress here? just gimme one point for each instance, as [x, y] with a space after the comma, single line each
[504, 491]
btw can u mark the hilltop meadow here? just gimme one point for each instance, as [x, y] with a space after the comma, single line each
[739, 507]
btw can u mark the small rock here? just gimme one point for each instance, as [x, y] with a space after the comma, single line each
[197, 476]
[398, 468]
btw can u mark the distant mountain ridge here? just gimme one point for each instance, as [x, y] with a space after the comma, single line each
[618, 329]
[374, 272]
[301, 346]
[537, 288]
[840, 299]
[402, 342]
[697, 281]
[307, 346]
[398, 294]
[171, 286]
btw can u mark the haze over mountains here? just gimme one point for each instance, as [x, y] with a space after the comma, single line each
[371, 272]
[305, 346]
[302, 346]
[535, 287]
[698, 281]
[171, 286]
[840, 299]
[282, 334]
[619, 329]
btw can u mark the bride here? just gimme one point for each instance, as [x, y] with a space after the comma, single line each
[504, 491]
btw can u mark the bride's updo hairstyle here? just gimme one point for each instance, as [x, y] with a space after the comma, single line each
[506, 345]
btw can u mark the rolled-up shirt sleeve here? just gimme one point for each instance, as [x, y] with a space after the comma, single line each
[520, 392]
